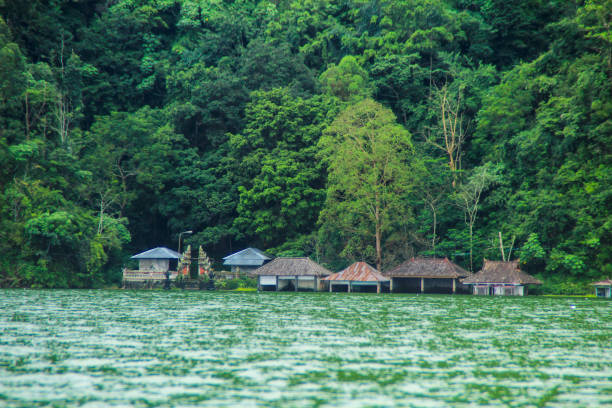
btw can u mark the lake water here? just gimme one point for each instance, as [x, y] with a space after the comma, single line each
[223, 349]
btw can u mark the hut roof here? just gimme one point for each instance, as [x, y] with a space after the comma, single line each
[158, 253]
[428, 268]
[605, 282]
[247, 257]
[292, 267]
[501, 272]
[358, 272]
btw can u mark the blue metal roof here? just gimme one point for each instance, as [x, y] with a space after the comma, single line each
[158, 253]
[247, 257]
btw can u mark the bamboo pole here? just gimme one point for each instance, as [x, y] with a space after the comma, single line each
[501, 247]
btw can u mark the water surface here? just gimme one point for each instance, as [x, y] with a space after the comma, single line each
[222, 349]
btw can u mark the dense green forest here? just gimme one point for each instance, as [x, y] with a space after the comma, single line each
[340, 130]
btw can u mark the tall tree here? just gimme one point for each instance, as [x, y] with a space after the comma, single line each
[432, 187]
[282, 184]
[368, 155]
[450, 133]
[469, 196]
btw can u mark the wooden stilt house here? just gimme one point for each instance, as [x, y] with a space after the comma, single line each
[431, 275]
[291, 274]
[500, 278]
[359, 277]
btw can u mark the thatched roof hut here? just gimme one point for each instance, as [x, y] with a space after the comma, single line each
[290, 273]
[430, 268]
[358, 272]
[294, 267]
[436, 274]
[500, 278]
[358, 276]
[508, 272]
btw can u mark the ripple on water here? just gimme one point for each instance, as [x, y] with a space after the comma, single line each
[153, 348]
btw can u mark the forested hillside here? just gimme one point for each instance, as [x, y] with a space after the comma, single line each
[340, 130]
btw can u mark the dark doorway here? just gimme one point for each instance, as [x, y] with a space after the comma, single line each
[444, 286]
[364, 288]
[286, 287]
[407, 285]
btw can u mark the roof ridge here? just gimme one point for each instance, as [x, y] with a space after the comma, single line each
[358, 271]
[295, 265]
[502, 272]
[256, 251]
[293, 257]
[167, 252]
[427, 267]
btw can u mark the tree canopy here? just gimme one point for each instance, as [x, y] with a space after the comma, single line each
[342, 130]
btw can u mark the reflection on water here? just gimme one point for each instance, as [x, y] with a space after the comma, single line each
[153, 348]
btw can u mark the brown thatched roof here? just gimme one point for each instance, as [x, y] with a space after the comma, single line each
[605, 282]
[292, 267]
[358, 272]
[501, 272]
[440, 268]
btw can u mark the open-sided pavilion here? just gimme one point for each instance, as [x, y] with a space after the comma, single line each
[359, 277]
[283, 274]
[431, 275]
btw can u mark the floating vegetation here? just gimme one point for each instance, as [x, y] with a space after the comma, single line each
[212, 349]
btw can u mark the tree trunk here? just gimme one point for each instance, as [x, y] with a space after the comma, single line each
[471, 246]
[27, 116]
[511, 246]
[378, 235]
[501, 247]
[101, 219]
[433, 240]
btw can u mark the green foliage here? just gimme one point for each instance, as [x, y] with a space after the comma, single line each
[545, 122]
[563, 285]
[367, 155]
[532, 249]
[347, 81]
[122, 124]
[237, 283]
[282, 187]
[565, 263]
[519, 27]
